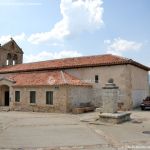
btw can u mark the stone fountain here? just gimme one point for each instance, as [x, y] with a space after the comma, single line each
[109, 111]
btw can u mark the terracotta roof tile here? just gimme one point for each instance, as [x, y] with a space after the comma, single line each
[48, 78]
[99, 60]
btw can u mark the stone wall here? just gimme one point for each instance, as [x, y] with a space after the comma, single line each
[139, 84]
[78, 95]
[123, 76]
[119, 73]
[132, 82]
[59, 99]
[65, 98]
[14, 51]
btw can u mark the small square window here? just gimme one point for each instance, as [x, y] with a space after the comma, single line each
[96, 79]
[17, 96]
[49, 97]
[32, 97]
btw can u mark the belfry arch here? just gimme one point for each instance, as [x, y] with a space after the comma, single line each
[15, 59]
[8, 60]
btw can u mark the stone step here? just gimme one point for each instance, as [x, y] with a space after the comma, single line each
[4, 108]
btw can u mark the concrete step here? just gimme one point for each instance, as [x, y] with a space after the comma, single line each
[4, 108]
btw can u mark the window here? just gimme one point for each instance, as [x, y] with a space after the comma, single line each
[32, 97]
[17, 96]
[96, 78]
[49, 97]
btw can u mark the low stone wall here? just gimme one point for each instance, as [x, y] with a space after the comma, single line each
[82, 110]
[35, 108]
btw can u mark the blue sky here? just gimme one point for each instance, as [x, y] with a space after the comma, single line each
[49, 29]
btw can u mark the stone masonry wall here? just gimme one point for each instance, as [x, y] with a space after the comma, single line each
[8, 49]
[77, 95]
[119, 73]
[59, 99]
[139, 84]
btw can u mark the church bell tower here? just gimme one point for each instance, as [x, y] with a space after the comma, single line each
[10, 54]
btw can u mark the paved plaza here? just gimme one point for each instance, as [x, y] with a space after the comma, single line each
[51, 131]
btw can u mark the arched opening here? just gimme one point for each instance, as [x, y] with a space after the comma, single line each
[15, 59]
[4, 95]
[8, 60]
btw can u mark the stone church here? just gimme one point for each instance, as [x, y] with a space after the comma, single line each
[62, 84]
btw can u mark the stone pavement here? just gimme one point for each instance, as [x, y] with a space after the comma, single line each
[129, 135]
[50, 131]
[20, 130]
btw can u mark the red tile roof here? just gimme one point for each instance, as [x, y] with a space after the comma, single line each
[48, 78]
[88, 61]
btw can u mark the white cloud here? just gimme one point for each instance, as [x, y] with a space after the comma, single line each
[119, 45]
[17, 38]
[77, 16]
[50, 55]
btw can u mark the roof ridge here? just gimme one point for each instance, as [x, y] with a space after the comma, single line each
[51, 60]
[122, 57]
[78, 57]
[76, 62]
